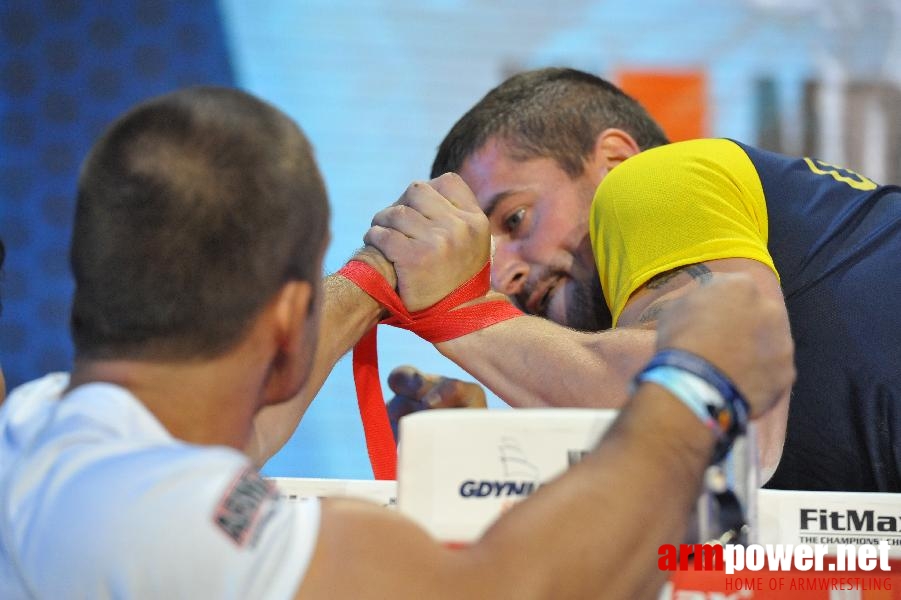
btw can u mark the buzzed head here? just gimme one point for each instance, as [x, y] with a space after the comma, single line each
[193, 210]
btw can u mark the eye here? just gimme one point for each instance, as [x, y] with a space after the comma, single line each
[513, 220]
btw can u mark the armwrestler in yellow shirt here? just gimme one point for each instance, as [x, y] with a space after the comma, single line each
[599, 222]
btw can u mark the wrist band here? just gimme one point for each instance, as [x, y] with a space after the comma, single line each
[705, 390]
[693, 391]
[440, 322]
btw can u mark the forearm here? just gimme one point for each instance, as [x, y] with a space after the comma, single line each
[596, 530]
[593, 532]
[529, 361]
[347, 313]
[645, 476]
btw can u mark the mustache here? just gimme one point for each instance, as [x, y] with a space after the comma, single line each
[525, 299]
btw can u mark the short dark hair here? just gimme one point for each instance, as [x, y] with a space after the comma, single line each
[554, 112]
[193, 210]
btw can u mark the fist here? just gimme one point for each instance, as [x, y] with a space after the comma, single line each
[435, 235]
[415, 391]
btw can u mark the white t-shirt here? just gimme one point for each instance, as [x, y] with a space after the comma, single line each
[98, 500]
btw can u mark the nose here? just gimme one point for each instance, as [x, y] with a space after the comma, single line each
[509, 272]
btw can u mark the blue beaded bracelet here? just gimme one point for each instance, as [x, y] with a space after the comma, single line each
[729, 412]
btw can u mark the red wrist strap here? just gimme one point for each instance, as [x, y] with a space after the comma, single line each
[437, 323]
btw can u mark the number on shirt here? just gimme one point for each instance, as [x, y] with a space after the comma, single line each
[852, 178]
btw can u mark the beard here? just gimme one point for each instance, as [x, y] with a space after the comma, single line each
[578, 300]
[577, 303]
[584, 306]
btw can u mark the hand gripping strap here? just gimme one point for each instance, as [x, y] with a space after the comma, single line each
[437, 323]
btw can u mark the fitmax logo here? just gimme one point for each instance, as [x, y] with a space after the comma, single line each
[848, 520]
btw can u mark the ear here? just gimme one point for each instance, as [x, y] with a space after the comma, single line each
[290, 318]
[611, 147]
[291, 308]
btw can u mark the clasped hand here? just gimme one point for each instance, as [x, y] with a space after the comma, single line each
[436, 237]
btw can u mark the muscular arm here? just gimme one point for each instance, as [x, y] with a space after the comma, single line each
[529, 362]
[533, 362]
[645, 305]
[597, 528]
[437, 237]
[568, 540]
[347, 313]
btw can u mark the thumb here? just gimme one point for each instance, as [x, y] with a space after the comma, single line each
[453, 393]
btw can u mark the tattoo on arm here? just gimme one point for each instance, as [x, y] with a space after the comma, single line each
[658, 281]
[699, 272]
[651, 314]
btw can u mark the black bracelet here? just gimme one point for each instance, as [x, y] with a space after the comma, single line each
[731, 416]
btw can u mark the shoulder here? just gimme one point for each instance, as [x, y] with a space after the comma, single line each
[201, 519]
[50, 387]
[25, 412]
[685, 178]
[678, 164]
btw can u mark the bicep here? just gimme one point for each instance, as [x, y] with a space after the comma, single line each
[645, 304]
[651, 299]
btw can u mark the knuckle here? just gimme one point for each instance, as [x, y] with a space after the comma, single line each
[443, 239]
[373, 233]
[413, 189]
[445, 178]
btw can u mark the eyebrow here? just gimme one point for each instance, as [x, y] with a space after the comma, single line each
[492, 203]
